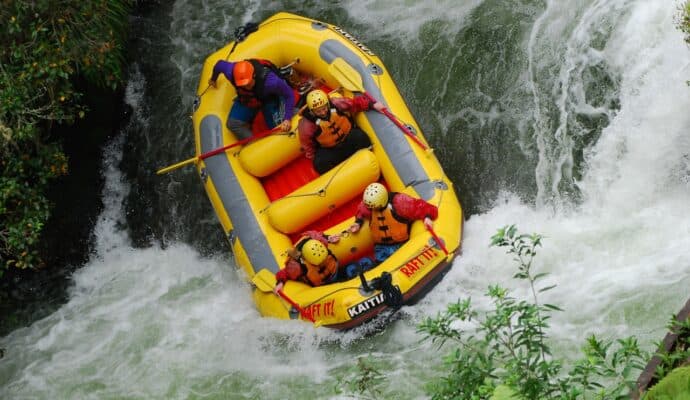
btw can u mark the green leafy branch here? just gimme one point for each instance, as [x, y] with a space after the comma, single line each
[48, 47]
[507, 346]
[364, 381]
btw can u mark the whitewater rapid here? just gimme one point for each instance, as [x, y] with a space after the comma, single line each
[165, 321]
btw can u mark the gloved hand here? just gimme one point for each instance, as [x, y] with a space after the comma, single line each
[293, 253]
[285, 126]
[333, 238]
[278, 287]
[354, 228]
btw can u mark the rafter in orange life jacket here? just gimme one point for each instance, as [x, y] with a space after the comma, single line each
[316, 275]
[332, 129]
[386, 226]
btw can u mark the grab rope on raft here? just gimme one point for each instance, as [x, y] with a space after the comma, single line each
[320, 193]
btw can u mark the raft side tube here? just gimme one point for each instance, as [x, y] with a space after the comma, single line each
[331, 190]
[268, 155]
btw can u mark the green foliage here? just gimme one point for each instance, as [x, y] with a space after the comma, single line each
[22, 204]
[675, 386]
[507, 346]
[46, 46]
[684, 24]
[504, 354]
[685, 21]
[364, 381]
[680, 354]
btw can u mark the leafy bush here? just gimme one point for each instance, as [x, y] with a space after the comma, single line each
[680, 353]
[505, 355]
[47, 46]
[675, 386]
[685, 21]
[507, 347]
[363, 382]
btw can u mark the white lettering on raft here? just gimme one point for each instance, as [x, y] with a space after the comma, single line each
[354, 41]
[366, 305]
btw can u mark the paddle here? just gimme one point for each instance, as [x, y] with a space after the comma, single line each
[213, 152]
[265, 281]
[352, 81]
[438, 241]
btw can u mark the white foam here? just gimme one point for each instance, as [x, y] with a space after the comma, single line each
[166, 322]
[404, 20]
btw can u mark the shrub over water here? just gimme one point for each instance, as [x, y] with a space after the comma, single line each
[508, 348]
[47, 46]
[504, 353]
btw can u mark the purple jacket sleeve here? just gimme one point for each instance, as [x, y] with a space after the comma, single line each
[222, 67]
[277, 86]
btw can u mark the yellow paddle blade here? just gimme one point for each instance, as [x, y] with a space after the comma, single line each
[347, 76]
[264, 280]
[176, 166]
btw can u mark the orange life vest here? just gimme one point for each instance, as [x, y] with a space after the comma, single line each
[387, 228]
[317, 275]
[331, 130]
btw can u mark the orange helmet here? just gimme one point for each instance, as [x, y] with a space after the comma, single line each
[243, 73]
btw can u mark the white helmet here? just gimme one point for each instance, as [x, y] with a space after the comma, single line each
[375, 196]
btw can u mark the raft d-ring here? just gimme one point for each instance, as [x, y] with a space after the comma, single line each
[439, 184]
[321, 193]
[375, 69]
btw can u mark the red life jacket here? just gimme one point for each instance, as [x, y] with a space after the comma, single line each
[387, 227]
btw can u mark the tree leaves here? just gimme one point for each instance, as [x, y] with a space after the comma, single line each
[510, 347]
[47, 46]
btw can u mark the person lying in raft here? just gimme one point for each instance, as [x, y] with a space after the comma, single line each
[327, 131]
[310, 261]
[259, 86]
[390, 217]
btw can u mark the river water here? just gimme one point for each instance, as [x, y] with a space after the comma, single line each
[566, 118]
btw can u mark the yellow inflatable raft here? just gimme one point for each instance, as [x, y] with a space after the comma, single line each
[266, 193]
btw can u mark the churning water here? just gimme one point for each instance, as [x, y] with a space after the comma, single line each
[567, 118]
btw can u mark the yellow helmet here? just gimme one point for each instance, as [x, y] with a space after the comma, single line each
[316, 98]
[314, 252]
[375, 196]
